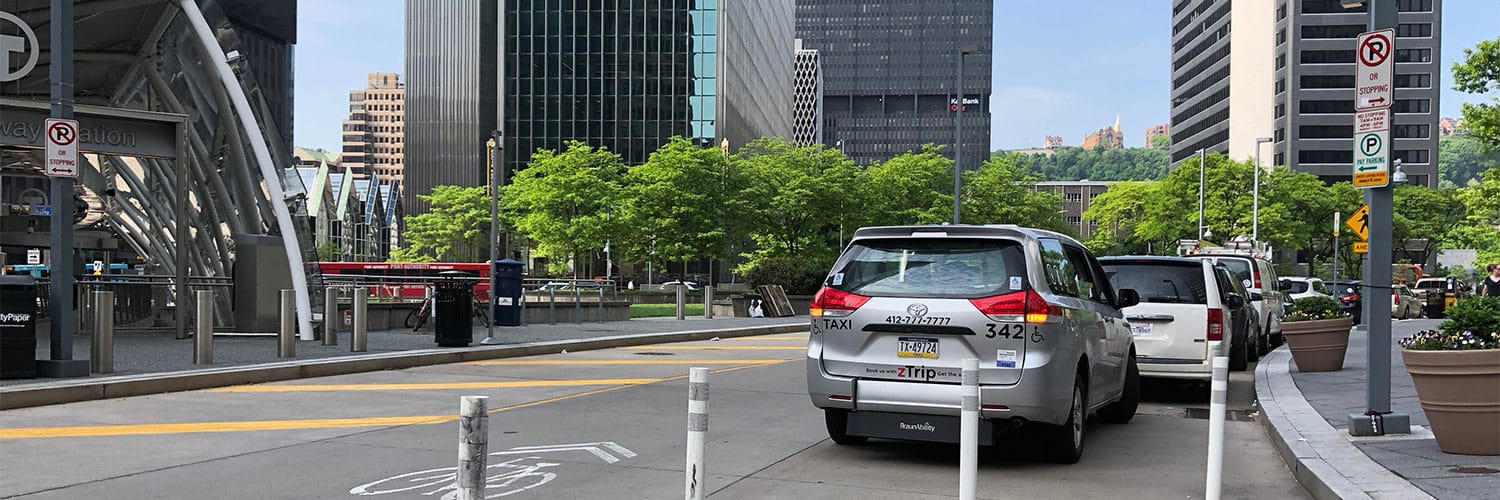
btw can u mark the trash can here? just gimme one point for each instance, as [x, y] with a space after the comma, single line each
[506, 298]
[17, 327]
[453, 303]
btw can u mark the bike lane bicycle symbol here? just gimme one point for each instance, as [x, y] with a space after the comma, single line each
[505, 478]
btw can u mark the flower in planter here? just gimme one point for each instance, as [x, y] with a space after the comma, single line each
[1314, 308]
[1472, 324]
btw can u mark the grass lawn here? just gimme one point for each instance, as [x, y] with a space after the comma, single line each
[660, 310]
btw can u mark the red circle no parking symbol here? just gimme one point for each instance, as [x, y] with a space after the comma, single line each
[62, 134]
[1374, 50]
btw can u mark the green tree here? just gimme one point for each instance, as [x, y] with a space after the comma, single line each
[1297, 211]
[1121, 208]
[797, 199]
[455, 229]
[1099, 164]
[1461, 159]
[1161, 142]
[1001, 192]
[677, 205]
[1479, 73]
[911, 188]
[1423, 215]
[1480, 228]
[564, 200]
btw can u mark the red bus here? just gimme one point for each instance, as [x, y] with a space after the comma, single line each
[405, 279]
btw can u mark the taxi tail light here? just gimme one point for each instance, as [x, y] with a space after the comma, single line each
[830, 303]
[1215, 323]
[1027, 304]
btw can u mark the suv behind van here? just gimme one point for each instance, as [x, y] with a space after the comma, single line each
[1259, 278]
[904, 306]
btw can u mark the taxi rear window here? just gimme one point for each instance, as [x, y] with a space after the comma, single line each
[939, 267]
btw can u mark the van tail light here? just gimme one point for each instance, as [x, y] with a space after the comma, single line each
[830, 303]
[1255, 279]
[1215, 323]
[1026, 305]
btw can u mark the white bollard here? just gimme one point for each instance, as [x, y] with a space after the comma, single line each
[695, 488]
[968, 431]
[473, 445]
[1218, 395]
[331, 316]
[203, 341]
[708, 302]
[681, 301]
[359, 335]
[286, 337]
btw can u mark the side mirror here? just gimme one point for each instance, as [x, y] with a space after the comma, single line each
[1127, 297]
[1234, 301]
[1256, 296]
[1284, 285]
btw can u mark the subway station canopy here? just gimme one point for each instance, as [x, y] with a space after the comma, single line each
[151, 91]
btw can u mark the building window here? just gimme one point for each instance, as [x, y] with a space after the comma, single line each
[1325, 131]
[1075, 220]
[1420, 131]
[1417, 81]
[1280, 85]
[1413, 55]
[1332, 31]
[1409, 156]
[1327, 107]
[1331, 56]
[1326, 81]
[1325, 156]
[1328, 7]
[1409, 106]
[1414, 6]
[1072, 197]
[1414, 30]
[1280, 36]
[1280, 109]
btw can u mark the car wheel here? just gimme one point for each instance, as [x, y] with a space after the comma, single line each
[1252, 345]
[1065, 444]
[838, 427]
[1123, 410]
[1239, 356]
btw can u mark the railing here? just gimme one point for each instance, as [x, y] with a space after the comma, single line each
[137, 298]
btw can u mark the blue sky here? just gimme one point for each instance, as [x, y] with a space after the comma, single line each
[1057, 71]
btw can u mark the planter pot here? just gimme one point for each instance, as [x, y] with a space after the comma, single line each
[1458, 392]
[1318, 345]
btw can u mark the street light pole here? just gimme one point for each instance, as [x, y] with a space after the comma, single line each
[495, 148]
[1201, 157]
[1255, 212]
[958, 130]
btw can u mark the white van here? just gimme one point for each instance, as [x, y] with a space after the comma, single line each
[1186, 316]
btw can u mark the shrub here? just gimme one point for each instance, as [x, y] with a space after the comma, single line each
[796, 276]
[1314, 308]
[1472, 324]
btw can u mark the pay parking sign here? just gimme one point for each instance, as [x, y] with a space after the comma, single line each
[1372, 159]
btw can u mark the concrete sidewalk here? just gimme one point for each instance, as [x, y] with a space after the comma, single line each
[1307, 416]
[156, 362]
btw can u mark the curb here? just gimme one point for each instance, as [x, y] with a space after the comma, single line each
[1320, 456]
[156, 383]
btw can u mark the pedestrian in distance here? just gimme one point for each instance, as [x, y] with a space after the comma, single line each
[1491, 285]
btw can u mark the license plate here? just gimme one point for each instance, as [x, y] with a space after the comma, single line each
[1140, 329]
[917, 347]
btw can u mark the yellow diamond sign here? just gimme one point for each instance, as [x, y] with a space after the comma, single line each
[1360, 222]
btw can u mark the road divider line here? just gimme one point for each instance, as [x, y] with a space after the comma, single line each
[770, 337]
[721, 347]
[433, 386]
[669, 361]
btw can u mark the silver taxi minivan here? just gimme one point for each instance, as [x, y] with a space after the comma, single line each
[904, 306]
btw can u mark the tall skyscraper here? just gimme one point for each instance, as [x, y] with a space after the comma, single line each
[1222, 91]
[627, 77]
[374, 138]
[1315, 66]
[890, 70]
[807, 97]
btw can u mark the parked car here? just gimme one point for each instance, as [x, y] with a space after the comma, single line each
[1189, 312]
[1300, 287]
[904, 306]
[1404, 303]
[1254, 273]
[1348, 292]
[1438, 294]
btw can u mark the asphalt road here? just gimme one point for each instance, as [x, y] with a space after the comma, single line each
[597, 424]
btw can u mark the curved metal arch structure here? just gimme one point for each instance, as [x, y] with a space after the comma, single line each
[183, 57]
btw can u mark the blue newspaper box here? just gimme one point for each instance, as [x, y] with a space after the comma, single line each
[506, 299]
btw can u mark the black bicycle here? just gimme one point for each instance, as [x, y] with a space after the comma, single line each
[418, 317]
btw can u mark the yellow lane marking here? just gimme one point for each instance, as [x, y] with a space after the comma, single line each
[724, 347]
[434, 385]
[667, 361]
[326, 423]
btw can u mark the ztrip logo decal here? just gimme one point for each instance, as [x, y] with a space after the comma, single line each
[21, 46]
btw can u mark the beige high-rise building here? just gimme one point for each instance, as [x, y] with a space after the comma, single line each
[374, 134]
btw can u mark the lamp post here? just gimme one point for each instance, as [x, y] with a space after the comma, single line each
[495, 153]
[1201, 172]
[1255, 211]
[958, 129]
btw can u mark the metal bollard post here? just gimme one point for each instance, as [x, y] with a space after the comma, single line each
[203, 341]
[359, 336]
[708, 302]
[331, 318]
[473, 446]
[968, 431]
[601, 304]
[551, 306]
[577, 304]
[697, 430]
[286, 345]
[681, 301]
[102, 349]
[1218, 392]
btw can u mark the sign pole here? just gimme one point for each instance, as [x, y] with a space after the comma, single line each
[1335, 244]
[1378, 419]
[60, 288]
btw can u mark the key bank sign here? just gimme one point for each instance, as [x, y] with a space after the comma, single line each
[19, 47]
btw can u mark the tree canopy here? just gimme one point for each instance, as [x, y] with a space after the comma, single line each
[1099, 164]
[455, 229]
[564, 200]
[1479, 73]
